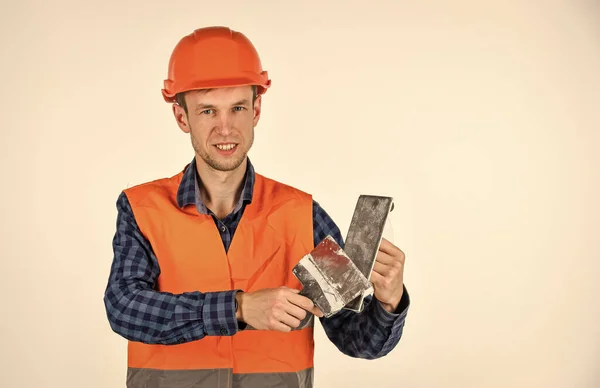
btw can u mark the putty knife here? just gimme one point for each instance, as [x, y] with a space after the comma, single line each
[364, 238]
[329, 277]
[335, 278]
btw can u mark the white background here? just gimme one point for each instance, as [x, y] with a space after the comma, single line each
[480, 118]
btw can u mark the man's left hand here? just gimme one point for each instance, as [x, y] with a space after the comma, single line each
[388, 275]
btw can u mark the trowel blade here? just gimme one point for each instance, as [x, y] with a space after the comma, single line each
[329, 277]
[364, 238]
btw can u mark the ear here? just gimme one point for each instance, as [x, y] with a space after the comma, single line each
[181, 118]
[257, 108]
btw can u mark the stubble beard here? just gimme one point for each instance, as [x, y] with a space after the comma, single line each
[231, 164]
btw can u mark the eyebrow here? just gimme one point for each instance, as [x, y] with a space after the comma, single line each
[203, 106]
[241, 102]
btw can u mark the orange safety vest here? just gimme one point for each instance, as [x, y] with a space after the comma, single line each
[274, 233]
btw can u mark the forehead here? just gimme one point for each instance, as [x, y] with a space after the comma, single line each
[223, 95]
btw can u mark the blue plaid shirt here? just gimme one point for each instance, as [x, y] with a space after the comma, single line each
[138, 312]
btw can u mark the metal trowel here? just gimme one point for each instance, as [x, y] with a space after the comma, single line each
[335, 278]
[329, 277]
[364, 238]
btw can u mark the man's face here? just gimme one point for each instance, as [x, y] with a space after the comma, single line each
[221, 125]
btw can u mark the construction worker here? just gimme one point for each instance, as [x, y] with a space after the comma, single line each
[201, 283]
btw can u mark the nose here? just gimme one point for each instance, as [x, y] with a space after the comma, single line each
[224, 124]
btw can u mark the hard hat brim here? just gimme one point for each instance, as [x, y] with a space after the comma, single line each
[262, 83]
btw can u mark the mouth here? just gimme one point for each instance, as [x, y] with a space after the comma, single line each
[226, 148]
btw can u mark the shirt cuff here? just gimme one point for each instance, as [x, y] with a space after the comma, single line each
[385, 317]
[218, 313]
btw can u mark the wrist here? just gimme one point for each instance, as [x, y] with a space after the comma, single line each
[390, 308]
[238, 306]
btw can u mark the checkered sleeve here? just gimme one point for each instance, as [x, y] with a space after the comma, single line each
[138, 312]
[372, 333]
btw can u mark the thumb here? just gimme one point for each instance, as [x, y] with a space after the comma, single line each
[317, 311]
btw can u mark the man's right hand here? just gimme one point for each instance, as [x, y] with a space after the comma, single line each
[279, 309]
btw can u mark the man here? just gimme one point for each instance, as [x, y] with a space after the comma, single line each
[201, 282]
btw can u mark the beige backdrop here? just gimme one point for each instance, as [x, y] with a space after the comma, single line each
[480, 118]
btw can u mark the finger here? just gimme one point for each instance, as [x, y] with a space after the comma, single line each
[377, 279]
[301, 301]
[289, 320]
[384, 258]
[295, 311]
[306, 304]
[279, 326]
[294, 290]
[397, 255]
[389, 248]
[381, 269]
[316, 311]
[301, 313]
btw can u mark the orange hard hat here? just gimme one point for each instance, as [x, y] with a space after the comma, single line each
[214, 57]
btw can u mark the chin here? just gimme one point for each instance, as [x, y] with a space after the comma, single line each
[225, 164]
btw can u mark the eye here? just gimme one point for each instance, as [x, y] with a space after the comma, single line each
[239, 108]
[207, 111]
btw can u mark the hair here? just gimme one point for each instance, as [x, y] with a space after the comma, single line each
[180, 98]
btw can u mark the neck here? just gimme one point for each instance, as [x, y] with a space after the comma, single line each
[220, 190]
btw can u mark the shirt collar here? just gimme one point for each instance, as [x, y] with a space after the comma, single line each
[188, 192]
